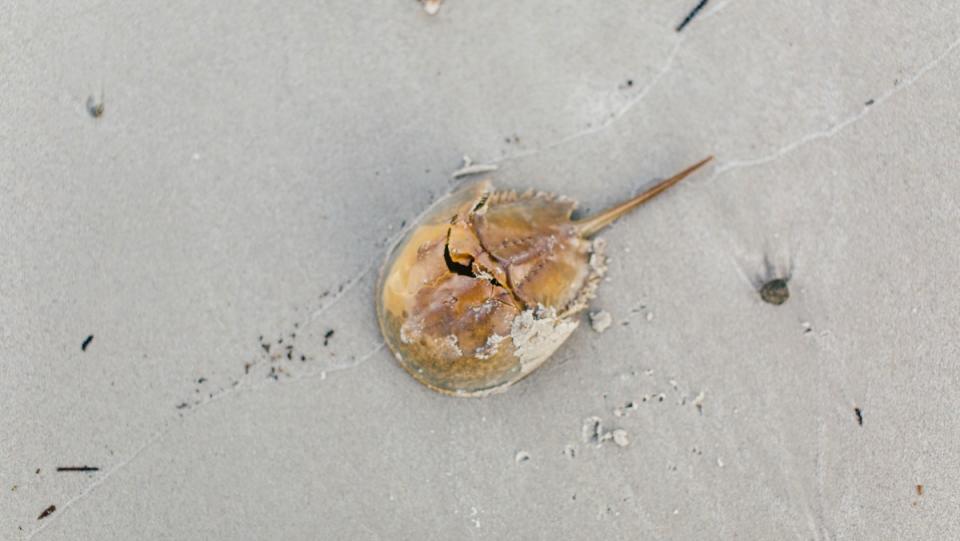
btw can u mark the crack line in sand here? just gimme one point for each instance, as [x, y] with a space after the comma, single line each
[623, 110]
[814, 513]
[159, 435]
[610, 119]
[839, 126]
[100, 480]
[244, 386]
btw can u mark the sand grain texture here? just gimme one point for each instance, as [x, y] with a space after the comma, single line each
[218, 229]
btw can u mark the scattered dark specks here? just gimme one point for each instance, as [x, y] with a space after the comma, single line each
[693, 13]
[47, 512]
[327, 336]
[201, 380]
[266, 347]
[78, 468]
[859, 413]
[625, 409]
[919, 490]
[37, 472]
[775, 291]
[86, 342]
[181, 405]
[95, 107]
[246, 368]
[869, 102]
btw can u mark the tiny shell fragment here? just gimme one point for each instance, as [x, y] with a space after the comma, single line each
[621, 438]
[775, 292]
[698, 401]
[431, 6]
[600, 321]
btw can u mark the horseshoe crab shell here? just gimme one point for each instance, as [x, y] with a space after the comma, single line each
[485, 286]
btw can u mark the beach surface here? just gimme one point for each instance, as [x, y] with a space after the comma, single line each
[196, 198]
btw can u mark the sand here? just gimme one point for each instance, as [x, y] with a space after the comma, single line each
[207, 190]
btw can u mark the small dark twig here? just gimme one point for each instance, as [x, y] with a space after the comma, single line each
[47, 512]
[86, 342]
[691, 15]
[78, 468]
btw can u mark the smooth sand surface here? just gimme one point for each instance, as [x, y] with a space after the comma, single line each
[251, 163]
